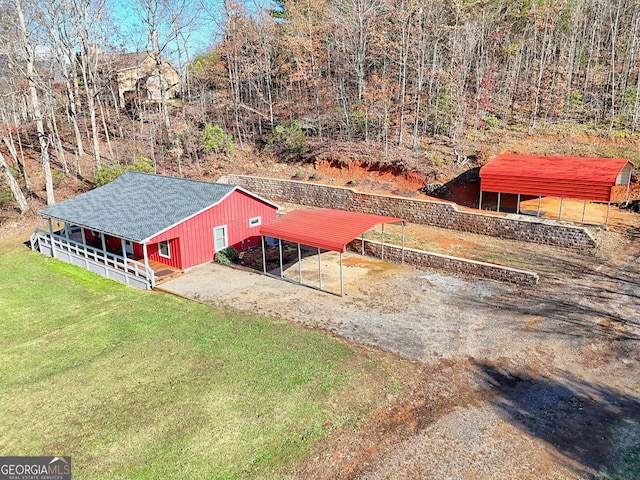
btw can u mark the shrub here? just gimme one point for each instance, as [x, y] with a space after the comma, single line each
[227, 256]
[57, 176]
[288, 138]
[5, 194]
[215, 139]
[108, 173]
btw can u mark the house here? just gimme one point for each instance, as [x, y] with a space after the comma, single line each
[138, 74]
[142, 226]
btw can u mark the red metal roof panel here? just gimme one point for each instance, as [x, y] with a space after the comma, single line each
[563, 177]
[323, 228]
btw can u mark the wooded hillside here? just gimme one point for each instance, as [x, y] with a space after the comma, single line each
[385, 79]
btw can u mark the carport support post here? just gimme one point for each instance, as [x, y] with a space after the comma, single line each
[264, 256]
[299, 265]
[320, 269]
[382, 251]
[402, 242]
[560, 212]
[518, 205]
[480, 201]
[281, 266]
[341, 282]
[498, 209]
[539, 200]
[362, 244]
[606, 220]
[584, 207]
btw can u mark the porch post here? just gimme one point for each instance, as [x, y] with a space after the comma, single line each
[146, 263]
[104, 242]
[66, 230]
[84, 236]
[53, 246]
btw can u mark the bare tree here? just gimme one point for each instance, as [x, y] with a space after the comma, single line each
[34, 100]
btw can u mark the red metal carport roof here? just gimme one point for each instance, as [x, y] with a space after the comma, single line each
[323, 228]
[562, 177]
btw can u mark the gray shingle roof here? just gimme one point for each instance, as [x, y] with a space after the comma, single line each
[137, 206]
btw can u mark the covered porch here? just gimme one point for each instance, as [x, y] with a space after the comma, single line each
[111, 257]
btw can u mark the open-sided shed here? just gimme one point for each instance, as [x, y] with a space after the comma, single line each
[323, 229]
[595, 179]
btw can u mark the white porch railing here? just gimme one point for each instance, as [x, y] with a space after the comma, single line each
[109, 265]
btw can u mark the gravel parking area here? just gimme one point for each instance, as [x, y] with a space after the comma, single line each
[518, 383]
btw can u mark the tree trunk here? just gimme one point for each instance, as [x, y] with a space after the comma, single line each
[35, 105]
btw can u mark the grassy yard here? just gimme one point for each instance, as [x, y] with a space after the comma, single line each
[137, 384]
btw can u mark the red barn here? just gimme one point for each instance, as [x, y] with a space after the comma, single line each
[140, 226]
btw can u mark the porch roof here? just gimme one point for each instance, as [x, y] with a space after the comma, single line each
[137, 206]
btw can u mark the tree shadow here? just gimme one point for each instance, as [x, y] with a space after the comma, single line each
[591, 424]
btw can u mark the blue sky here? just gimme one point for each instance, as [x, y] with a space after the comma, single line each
[199, 34]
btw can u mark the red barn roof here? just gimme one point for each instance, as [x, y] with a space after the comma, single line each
[323, 228]
[562, 177]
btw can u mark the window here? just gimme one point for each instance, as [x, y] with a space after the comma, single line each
[255, 221]
[220, 238]
[164, 250]
[128, 247]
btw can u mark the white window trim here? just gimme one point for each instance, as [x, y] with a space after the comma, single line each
[226, 238]
[255, 222]
[168, 255]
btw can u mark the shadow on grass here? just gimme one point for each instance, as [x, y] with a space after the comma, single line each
[593, 425]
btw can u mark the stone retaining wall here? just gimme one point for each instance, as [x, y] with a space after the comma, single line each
[425, 212]
[455, 265]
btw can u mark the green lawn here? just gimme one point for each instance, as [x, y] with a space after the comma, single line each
[137, 384]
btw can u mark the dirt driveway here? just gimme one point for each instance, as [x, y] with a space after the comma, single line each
[514, 383]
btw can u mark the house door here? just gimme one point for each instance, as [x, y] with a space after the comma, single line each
[220, 240]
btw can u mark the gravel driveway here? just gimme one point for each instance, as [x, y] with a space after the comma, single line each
[519, 383]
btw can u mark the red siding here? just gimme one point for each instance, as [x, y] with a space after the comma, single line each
[192, 240]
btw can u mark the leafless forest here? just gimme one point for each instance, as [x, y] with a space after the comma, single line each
[279, 78]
